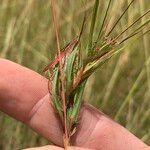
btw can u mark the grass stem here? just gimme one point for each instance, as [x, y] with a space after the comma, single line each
[90, 44]
[119, 18]
[66, 137]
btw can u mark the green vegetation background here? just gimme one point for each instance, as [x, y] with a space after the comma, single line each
[121, 88]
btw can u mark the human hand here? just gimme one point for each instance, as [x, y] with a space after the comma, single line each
[24, 96]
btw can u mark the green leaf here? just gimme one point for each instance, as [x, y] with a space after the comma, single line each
[69, 67]
[95, 9]
[55, 99]
[92, 66]
[77, 102]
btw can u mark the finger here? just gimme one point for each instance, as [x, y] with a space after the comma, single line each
[50, 147]
[26, 101]
[20, 89]
[96, 130]
[22, 93]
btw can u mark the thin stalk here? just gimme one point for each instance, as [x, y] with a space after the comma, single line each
[114, 11]
[145, 45]
[146, 137]
[138, 114]
[127, 38]
[82, 27]
[66, 139]
[9, 37]
[100, 32]
[130, 112]
[135, 32]
[145, 117]
[131, 25]
[111, 83]
[92, 25]
[119, 18]
[142, 26]
[127, 99]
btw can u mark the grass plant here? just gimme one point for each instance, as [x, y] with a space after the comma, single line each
[69, 71]
[104, 33]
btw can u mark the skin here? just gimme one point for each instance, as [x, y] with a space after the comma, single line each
[24, 96]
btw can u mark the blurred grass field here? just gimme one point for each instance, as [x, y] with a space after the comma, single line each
[121, 88]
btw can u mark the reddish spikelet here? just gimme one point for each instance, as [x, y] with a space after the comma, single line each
[58, 58]
[78, 78]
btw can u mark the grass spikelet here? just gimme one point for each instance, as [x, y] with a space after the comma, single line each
[70, 71]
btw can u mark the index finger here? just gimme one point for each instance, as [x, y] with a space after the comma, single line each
[24, 96]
